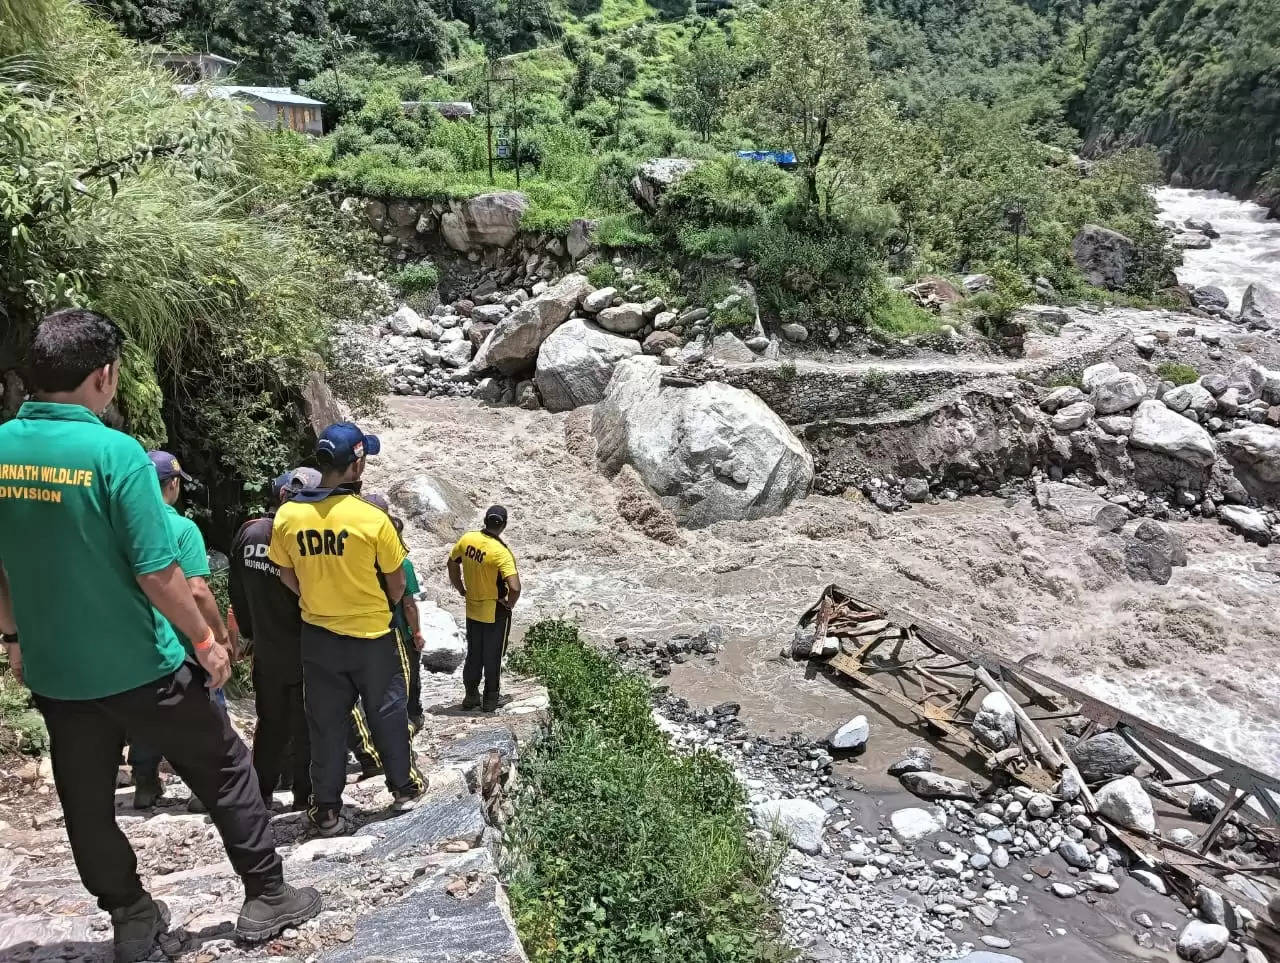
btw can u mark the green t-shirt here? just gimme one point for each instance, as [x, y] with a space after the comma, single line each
[80, 517]
[192, 557]
[399, 620]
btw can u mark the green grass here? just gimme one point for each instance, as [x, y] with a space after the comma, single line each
[21, 726]
[623, 850]
[1179, 374]
[898, 316]
[417, 278]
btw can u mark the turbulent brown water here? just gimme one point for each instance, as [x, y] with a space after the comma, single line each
[1197, 656]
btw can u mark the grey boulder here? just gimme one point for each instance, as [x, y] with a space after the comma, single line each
[624, 319]
[932, 785]
[1260, 307]
[512, 347]
[488, 220]
[799, 821]
[1104, 756]
[1254, 453]
[654, 177]
[1119, 392]
[576, 362]
[1080, 506]
[1156, 428]
[851, 736]
[710, 453]
[1193, 397]
[1200, 941]
[1248, 522]
[1103, 256]
[1126, 803]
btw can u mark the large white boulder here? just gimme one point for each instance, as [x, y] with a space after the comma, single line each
[1126, 802]
[798, 820]
[512, 347]
[623, 319]
[1156, 428]
[1254, 452]
[654, 177]
[852, 735]
[914, 824]
[710, 453]
[1080, 506]
[1260, 307]
[1193, 397]
[433, 503]
[576, 362]
[1200, 942]
[488, 220]
[446, 645]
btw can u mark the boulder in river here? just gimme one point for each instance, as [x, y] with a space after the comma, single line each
[994, 724]
[1127, 803]
[932, 785]
[1103, 256]
[1200, 942]
[512, 346]
[851, 736]
[1248, 522]
[576, 362]
[1104, 756]
[1260, 308]
[1254, 453]
[1210, 298]
[710, 453]
[915, 759]
[1070, 506]
[1156, 428]
[1152, 551]
[913, 824]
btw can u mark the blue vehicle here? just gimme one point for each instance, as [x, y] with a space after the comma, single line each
[786, 159]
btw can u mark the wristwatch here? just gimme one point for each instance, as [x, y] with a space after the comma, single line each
[8, 639]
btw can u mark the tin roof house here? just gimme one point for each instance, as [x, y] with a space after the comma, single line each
[272, 106]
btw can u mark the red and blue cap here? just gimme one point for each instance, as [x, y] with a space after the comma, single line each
[344, 444]
[167, 466]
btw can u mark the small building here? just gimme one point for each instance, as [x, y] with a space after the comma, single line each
[194, 68]
[448, 109]
[273, 106]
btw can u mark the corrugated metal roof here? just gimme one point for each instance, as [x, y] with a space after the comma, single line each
[273, 95]
[164, 55]
[447, 108]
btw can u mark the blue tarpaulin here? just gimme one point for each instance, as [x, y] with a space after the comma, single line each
[783, 158]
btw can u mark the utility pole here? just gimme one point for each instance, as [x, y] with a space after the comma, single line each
[488, 120]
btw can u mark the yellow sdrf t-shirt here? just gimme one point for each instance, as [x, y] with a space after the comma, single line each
[486, 564]
[337, 547]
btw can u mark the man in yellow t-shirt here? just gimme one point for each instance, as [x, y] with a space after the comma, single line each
[483, 570]
[337, 551]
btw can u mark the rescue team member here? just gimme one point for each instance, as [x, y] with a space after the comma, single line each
[331, 546]
[81, 500]
[404, 621]
[483, 570]
[193, 559]
[267, 613]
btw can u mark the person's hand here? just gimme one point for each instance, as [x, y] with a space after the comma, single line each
[418, 642]
[213, 657]
[14, 652]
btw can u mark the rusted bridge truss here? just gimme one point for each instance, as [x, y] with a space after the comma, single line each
[940, 678]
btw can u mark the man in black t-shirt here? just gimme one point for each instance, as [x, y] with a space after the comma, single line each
[267, 613]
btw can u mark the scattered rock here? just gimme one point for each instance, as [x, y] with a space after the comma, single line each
[1119, 392]
[1200, 941]
[593, 302]
[1210, 298]
[932, 785]
[1073, 416]
[799, 820]
[1127, 803]
[623, 319]
[513, 346]
[851, 736]
[994, 724]
[795, 332]
[914, 824]
[1249, 522]
[1104, 756]
[576, 362]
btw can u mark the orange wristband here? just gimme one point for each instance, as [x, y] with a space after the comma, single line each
[205, 644]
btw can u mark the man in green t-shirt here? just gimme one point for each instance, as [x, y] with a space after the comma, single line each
[193, 559]
[81, 500]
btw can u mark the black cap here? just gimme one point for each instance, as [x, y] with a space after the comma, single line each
[496, 515]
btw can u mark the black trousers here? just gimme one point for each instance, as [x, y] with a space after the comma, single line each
[281, 738]
[336, 670]
[413, 672]
[486, 645]
[175, 716]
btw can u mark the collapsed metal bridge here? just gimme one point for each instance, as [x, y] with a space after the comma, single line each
[938, 676]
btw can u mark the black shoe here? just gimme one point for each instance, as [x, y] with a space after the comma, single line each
[147, 791]
[402, 802]
[194, 805]
[472, 699]
[279, 907]
[326, 822]
[137, 928]
[416, 722]
[491, 702]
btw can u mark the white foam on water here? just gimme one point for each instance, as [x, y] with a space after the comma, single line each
[1248, 251]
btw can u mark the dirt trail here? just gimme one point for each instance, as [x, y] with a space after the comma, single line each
[1197, 655]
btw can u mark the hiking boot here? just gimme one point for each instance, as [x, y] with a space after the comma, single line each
[137, 928]
[194, 805]
[491, 702]
[147, 790]
[278, 907]
[402, 802]
[326, 822]
[416, 722]
[472, 699]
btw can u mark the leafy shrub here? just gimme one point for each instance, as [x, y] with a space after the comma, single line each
[622, 849]
[656, 92]
[21, 726]
[417, 278]
[896, 314]
[623, 231]
[1179, 374]
[602, 274]
[726, 192]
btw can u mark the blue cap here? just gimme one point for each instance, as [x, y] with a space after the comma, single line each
[167, 466]
[344, 444]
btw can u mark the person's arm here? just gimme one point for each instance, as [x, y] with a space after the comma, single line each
[239, 601]
[168, 591]
[208, 606]
[290, 579]
[513, 591]
[395, 586]
[455, 576]
[137, 515]
[411, 617]
[9, 626]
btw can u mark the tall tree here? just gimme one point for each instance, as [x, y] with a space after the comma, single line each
[703, 78]
[811, 80]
